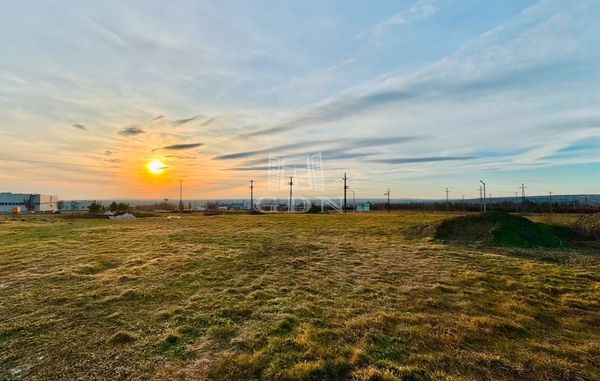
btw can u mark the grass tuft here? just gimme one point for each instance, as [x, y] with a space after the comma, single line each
[122, 337]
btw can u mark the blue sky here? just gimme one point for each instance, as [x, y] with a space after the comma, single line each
[412, 95]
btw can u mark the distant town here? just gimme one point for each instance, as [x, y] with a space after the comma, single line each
[17, 203]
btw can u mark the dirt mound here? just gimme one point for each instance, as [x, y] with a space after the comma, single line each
[503, 229]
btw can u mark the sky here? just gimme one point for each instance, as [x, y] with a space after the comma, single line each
[412, 95]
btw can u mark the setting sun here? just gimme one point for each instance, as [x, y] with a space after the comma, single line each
[156, 167]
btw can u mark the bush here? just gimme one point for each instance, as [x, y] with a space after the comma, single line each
[95, 208]
[588, 226]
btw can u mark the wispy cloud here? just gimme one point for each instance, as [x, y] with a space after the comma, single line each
[179, 146]
[418, 11]
[209, 121]
[323, 146]
[180, 157]
[179, 122]
[408, 160]
[131, 131]
[489, 65]
[80, 127]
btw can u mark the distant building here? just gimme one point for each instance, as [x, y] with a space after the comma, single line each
[75, 205]
[28, 202]
[363, 207]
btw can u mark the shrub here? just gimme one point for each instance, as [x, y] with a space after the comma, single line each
[588, 226]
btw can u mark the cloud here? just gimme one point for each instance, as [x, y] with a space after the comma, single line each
[260, 168]
[571, 124]
[51, 164]
[183, 121]
[422, 159]
[131, 131]
[531, 51]
[180, 146]
[273, 150]
[384, 141]
[80, 126]
[342, 145]
[179, 157]
[209, 121]
[420, 10]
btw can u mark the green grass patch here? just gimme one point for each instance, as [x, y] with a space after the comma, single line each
[504, 229]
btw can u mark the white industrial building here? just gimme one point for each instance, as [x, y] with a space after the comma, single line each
[25, 202]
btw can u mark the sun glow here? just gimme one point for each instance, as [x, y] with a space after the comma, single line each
[156, 167]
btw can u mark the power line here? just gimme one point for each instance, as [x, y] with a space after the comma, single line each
[523, 187]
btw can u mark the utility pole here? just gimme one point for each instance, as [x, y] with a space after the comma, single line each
[181, 196]
[523, 187]
[252, 195]
[447, 200]
[388, 199]
[550, 202]
[516, 202]
[345, 178]
[291, 184]
[353, 200]
[484, 206]
[480, 199]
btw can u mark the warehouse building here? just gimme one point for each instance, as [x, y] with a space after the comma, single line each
[25, 202]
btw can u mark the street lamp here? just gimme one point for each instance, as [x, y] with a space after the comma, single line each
[484, 208]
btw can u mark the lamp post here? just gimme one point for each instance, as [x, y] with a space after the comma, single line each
[484, 206]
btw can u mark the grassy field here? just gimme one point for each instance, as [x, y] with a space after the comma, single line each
[302, 297]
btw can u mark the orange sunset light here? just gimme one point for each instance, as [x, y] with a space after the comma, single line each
[156, 167]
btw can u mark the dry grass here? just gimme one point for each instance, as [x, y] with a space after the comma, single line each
[288, 298]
